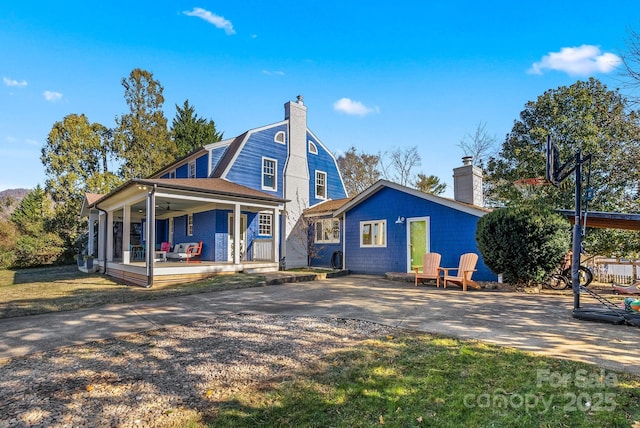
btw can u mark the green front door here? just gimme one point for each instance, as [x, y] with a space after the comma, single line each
[418, 238]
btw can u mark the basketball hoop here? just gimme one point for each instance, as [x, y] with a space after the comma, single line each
[528, 186]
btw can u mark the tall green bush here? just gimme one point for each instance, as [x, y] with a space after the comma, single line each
[523, 243]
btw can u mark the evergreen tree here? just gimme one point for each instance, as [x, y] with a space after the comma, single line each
[191, 132]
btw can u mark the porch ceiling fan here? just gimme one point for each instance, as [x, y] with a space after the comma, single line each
[167, 207]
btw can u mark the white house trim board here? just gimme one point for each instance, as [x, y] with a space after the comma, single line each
[318, 141]
[244, 141]
[380, 184]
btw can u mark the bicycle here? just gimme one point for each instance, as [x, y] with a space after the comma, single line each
[562, 278]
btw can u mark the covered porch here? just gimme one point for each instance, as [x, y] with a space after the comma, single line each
[133, 230]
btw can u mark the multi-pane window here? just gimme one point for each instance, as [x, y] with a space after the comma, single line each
[321, 185]
[172, 174]
[279, 137]
[264, 225]
[190, 225]
[327, 231]
[312, 147]
[373, 233]
[192, 170]
[269, 174]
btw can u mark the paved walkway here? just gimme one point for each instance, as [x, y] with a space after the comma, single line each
[537, 323]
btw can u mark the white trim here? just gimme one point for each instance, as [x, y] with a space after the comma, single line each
[275, 174]
[311, 146]
[244, 141]
[335, 161]
[427, 220]
[269, 225]
[189, 231]
[284, 137]
[382, 226]
[315, 184]
[326, 224]
[378, 185]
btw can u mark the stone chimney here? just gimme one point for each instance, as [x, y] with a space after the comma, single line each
[467, 183]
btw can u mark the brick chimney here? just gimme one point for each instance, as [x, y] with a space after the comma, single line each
[467, 183]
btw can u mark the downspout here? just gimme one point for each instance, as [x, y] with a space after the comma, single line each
[106, 236]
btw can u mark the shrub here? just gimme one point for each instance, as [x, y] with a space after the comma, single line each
[523, 243]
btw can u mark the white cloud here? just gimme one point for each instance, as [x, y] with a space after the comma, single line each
[212, 18]
[31, 142]
[577, 61]
[273, 73]
[52, 96]
[349, 106]
[14, 83]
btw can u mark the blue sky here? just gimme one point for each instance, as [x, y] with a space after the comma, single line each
[375, 75]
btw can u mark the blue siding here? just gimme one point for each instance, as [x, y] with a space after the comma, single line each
[247, 169]
[202, 166]
[216, 155]
[323, 161]
[204, 226]
[452, 233]
[182, 171]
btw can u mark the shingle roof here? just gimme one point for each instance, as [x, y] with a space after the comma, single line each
[327, 206]
[229, 155]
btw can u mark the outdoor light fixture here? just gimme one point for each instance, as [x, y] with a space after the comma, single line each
[400, 220]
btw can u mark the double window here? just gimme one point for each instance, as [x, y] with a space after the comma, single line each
[373, 233]
[269, 169]
[327, 231]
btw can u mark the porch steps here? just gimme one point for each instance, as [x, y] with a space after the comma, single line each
[285, 277]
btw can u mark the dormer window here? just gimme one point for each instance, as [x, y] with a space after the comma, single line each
[313, 148]
[279, 138]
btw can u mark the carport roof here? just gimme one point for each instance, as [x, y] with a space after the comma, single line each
[606, 220]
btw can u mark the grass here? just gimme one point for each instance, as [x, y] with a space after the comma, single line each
[412, 380]
[65, 288]
[425, 380]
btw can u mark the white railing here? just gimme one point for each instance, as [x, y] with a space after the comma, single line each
[262, 249]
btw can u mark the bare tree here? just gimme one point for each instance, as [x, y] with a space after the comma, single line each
[631, 62]
[398, 165]
[358, 170]
[479, 145]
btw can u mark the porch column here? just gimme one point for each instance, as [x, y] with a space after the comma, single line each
[93, 217]
[126, 234]
[236, 234]
[275, 238]
[102, 223]
[151, 235]
[110, 237]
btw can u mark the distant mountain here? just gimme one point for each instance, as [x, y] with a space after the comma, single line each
[9, 200]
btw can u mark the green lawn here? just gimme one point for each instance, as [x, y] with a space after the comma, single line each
[412, 380]
[65, 288]
[421, 380]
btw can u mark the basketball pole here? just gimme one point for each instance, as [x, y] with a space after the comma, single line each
[577, 235]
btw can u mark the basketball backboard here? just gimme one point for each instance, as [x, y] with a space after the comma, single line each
[553, 162]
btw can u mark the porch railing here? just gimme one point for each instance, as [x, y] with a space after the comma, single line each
[262, 249]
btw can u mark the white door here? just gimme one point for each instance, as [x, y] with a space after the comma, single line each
[243, 235]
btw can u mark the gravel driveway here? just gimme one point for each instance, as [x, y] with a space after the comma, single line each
[167, 376]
